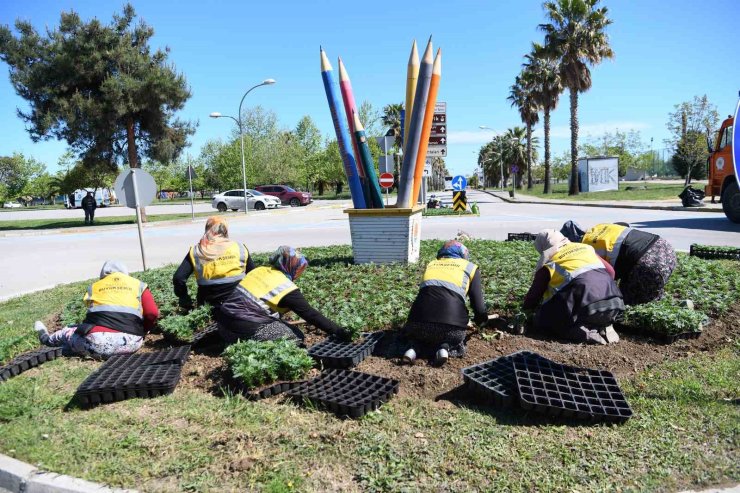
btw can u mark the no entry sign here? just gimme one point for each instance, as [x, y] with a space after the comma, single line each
[386, 180]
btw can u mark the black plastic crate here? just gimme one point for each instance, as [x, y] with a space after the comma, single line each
[560, 390]
[119, 383]
[494, 381]
[521, 237]
[26, 361]
[346, 393]
[707, 252]
[335, 354]
[206, 335]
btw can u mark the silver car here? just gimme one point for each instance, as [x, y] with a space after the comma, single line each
[234, 200]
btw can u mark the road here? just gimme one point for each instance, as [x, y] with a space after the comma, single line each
[30, 263]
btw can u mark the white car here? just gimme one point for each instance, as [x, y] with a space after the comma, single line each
[12, 205]
[234, 200]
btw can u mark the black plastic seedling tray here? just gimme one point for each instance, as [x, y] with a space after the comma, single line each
[494, 381]
[346, 393]
[253, 394]
[205, 335]
[172, 356]
[670, 339]
[521, 237]
[560, 390]
[335, 354]
[709, 253]
[28, 360]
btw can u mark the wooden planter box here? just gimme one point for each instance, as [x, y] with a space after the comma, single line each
[385, 236]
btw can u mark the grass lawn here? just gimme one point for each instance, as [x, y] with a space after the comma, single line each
[684, 433]
[99, 221]
[654, 191]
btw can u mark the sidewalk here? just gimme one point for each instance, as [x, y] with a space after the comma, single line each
[665, 205]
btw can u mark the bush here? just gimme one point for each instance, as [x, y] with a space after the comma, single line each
[713, 286]
[258, 363]
[663, 318]
[182, 327]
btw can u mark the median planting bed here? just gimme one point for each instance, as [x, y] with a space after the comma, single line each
[206, 437]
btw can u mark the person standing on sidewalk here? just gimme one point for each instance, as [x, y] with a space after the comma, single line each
[89, 205]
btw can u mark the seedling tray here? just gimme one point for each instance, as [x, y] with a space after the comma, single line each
[28, 360]
[521, 237]
[711, 253]
[494, 381]
[335, 354]
[670, 339]
[570, 392]
[120, 383]
[205, 336]
[172, 356]
[256, 394]
[346, 393]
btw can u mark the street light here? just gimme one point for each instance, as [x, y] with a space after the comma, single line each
[500, 163]
[216, 114]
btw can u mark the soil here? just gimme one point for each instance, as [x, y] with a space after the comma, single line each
[206, 370]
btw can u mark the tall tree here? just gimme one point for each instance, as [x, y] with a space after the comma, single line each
[522, 97]
[576, 37]
[690, 125]
[309, 140]
[16, 174]
[392, 119]
[516, 150]
[98, 87]
[370, 118]
[546, 88]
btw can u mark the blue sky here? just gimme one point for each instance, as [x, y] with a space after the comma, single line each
[666, 52]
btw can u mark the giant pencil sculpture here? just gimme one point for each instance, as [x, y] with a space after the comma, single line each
[427, 126]
[348, 97]
[413, 138]
[366, 159]
[412, 75]
[343, 138]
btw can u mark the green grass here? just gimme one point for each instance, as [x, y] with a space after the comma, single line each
[446, 211]
[654, 191]
[40, 224]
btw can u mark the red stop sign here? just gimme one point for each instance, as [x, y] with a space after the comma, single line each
[386, 180]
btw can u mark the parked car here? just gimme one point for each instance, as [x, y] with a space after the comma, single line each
[12, 205]
[234, 200]
[287, 195]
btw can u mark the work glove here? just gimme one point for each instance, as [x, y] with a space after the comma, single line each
[185, 302]
[518, 324]
[343, 335]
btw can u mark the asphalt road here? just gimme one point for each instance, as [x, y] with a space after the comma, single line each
[40, 261]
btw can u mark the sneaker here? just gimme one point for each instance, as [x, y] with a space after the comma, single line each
[39, 327]
[409, 356]
[442, 356]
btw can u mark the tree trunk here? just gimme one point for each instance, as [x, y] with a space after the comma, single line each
[573, 189]
[547, 150]
[321, 187]
[529, 156]
[132, 158]
[338, 187]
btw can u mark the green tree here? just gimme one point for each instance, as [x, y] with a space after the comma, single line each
[521, 95]
[576, 37]
[392, 119]
[627, 146]
[371, 119]
[98, 87]
[17, 174]
[561, 167]
[690, 125]
[546, 88]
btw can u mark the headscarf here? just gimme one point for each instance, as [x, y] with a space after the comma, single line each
[453, 249]
[289, 261]
[547, 243]
[215, 240]
[111, 266]
[573, 231]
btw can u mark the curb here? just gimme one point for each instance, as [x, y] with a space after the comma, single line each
[597, 204]
[19, 477]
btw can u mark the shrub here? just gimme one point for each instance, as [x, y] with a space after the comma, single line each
[663, 318]
[182, 327]
[258, 363]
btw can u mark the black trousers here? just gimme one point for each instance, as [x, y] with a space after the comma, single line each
[89, 215]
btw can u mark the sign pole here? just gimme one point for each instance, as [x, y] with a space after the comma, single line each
[138, 217]
[192, 206]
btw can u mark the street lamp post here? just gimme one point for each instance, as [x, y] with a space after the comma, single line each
[500, 163]
[238, 121]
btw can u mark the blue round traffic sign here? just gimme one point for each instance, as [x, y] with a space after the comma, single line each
[459, 183]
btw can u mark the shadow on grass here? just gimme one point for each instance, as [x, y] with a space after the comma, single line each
[62, 224]
[329, 261]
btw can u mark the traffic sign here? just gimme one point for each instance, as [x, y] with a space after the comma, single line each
[515, 169]
[440, 129]
[386, 180]
[439, 118]
[459, 201]
[459, 183]
[190, 173]
[440, 107]
[438, 141]
[427, 170]
[146, 188]
[436, 151]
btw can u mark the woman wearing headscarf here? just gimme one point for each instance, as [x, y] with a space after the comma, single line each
[254, 308]
[438, 319]
[218, 262]
[576, 288]
[643, 262]
[120, 311]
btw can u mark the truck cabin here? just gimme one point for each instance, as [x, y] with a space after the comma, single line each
[720, 171]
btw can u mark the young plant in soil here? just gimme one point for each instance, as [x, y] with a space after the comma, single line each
[663, 318]
[258, 363]
[183, 327]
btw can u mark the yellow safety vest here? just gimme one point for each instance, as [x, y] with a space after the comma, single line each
[228, 267]
[607, 240]
[568, 263]
[266, 286]
[451, 273]
[116, 293]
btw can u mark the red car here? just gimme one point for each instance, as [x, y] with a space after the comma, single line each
[287, 195]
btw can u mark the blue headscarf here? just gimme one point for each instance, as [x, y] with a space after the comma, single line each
[289, 261]
[453, 249]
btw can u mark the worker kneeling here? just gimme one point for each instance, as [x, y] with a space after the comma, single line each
[254, 308]
[580, 299]
[120, 311]
[438, 319]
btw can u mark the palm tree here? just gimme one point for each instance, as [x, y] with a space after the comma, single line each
[576, 37]
[516, 151]
[520, 96]
[392, 118]
[546, 89]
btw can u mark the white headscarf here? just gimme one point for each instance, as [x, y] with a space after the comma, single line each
[111, 266]
[547, 243]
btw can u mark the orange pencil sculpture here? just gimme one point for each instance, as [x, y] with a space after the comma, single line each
[426, 128]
